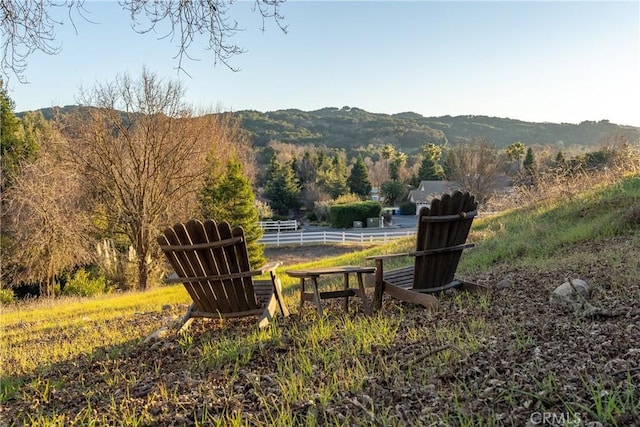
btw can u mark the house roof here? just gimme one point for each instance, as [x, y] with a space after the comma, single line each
[429, 190]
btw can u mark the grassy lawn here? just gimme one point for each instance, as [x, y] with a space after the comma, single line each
[504, 358]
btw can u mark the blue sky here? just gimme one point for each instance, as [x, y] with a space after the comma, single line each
[535, 61]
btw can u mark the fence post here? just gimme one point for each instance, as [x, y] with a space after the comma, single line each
[343, 237]
[301, 239]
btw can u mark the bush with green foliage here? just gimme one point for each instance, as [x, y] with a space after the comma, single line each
[407, 207]
[343, 215]
[7, 296]
[83, 284]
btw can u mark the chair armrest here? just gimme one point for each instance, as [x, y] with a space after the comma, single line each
[443, 250]
[422, 253]
[388, 256]
[269, 267]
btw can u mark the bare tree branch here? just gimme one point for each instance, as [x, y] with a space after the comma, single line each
[46, 216]
[145, 154]
[28, 26]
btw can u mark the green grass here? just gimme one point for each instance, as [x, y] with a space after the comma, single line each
[531, 234]
[82, 361]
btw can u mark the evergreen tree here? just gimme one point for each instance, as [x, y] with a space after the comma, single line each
[529, 166]
[529, 162]
[359, 179]
[560, 163]
[337, 179]
[230, 198]
[296, 169]
[282, 188]
[450, 161]
[428, 169]
[14, 146]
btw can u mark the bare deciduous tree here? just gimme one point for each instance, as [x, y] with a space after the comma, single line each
[29, 26]
[145, 154]
[45, 216]
[477, 166]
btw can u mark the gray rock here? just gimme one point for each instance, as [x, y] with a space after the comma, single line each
[574, 295]
[574, 289]
[158, 335]
[504, 283]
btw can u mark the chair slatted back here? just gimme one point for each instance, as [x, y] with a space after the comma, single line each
[443, 226]
[211, 261]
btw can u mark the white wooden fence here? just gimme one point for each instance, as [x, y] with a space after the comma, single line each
[325, 237]
[278, 225]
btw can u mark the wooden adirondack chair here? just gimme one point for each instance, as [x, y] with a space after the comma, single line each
[212, 262]
[442, 232]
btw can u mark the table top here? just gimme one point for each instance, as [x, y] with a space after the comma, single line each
[342, 269]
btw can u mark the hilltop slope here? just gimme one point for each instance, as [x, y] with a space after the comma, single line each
[505, 358]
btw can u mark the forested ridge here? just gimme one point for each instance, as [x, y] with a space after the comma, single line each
[350, 128]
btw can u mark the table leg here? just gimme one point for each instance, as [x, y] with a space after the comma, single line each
[346, 286]
[317, 295]
[301, 293]
[363, 295]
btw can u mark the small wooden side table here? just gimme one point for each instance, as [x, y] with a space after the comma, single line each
[315, 296]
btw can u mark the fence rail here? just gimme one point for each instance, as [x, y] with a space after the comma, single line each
[326, 237]
[278, 225]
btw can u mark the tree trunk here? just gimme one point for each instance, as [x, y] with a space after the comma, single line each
[143, 271]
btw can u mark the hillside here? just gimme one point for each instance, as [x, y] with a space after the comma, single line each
[505, 358]
[351, 128]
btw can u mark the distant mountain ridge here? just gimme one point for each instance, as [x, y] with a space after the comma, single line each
[351, 127]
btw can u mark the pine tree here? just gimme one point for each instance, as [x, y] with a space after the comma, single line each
[359, 179]
[282, 188]
[529, 162]
[14, 145]
[560, 161]
[230, 198]
[530, 170]
[337, 179]
[428, 169]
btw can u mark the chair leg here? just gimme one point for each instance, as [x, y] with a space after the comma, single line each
[269, 312]
[186, 320]
[378, 290]
[346, 286]
[474, 288]
[407, 295]
[363, 295]
[277, 291]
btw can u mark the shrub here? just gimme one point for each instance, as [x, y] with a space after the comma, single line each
[343, 216]
[82, 284]
[7, 296]
[407, 207]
